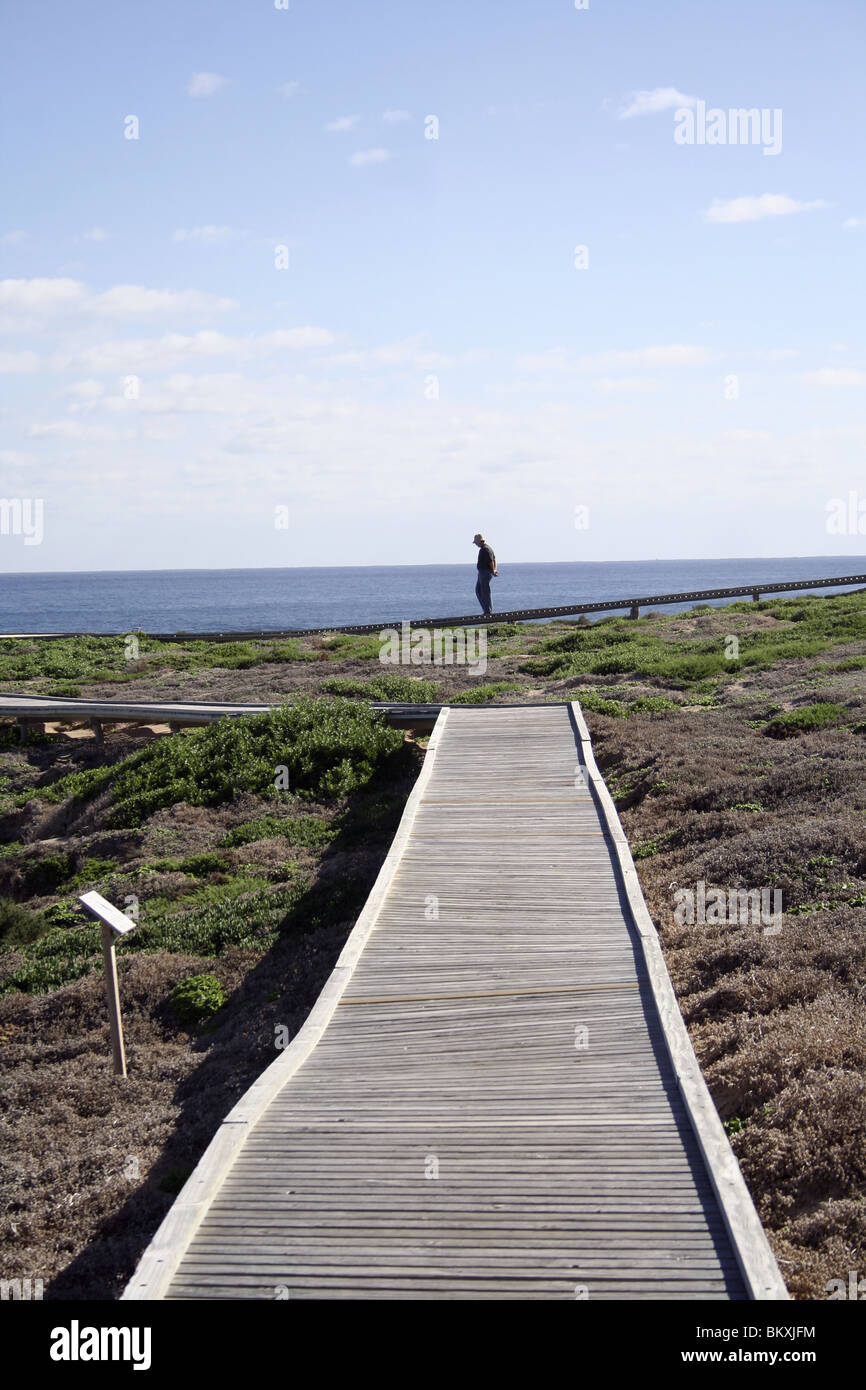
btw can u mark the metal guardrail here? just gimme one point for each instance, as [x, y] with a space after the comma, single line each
[476, 620]
[35, 711]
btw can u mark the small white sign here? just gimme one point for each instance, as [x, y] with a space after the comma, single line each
[106, 912]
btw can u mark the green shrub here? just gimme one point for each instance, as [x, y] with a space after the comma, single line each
[60, 955]
[310, 831]
[621, 646]
[67, 952]
[478, 694]
[805, 720]
[77, 786]
[353, 646]
[394, 688]
[63, 914]
[251, 921]
[91, 870]
[197, 997]
[645, 849]
[18, 925]
[11, 738]
[197, 865]
[597, 704]
[652, 704]
[330, 748]
[47, 874]
[851, 663]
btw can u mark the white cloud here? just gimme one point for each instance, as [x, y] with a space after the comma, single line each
[96, 234]
[205, 84]
[851, 223]
[756, 208]
[647, 103]
[218, 393]
[30, 303]
[126, 301]
[376, 156]
[19, 362]
[74, 429]
[183, 462]
[411, 351]
[743, 436]
[14, 238]
[289, 89]
[209, 234]
[89, 390]
[343, 123]
[174, 349]
[836, 376]
[306, 337]
[666, 355]
[395, 117]
[609, 384]
[40, 295]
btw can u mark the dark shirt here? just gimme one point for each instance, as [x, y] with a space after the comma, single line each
[486, 558]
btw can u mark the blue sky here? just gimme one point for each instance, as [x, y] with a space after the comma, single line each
[431, 362]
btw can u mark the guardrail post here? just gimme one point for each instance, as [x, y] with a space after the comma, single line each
[756, 596]
[635, 611]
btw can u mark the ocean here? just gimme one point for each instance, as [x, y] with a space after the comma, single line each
[250, 599]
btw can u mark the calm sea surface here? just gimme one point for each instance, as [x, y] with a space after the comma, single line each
[242, 600]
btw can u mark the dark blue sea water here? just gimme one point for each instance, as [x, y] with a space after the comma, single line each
[243, 600]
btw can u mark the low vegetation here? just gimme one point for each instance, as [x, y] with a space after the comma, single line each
[197, 997]
[245, 851]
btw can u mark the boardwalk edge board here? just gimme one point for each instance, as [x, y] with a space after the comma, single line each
[158, 1264]
[755, 1257]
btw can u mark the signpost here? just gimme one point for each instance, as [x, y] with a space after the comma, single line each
[114, 924]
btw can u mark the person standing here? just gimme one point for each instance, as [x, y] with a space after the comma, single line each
[486, 571]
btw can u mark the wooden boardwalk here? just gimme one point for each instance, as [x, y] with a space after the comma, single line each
[495, 1096]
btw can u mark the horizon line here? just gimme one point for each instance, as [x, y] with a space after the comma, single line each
[467, 564]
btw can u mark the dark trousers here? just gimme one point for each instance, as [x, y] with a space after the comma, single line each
[482, 591]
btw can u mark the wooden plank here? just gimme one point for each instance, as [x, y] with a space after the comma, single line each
[453, 1039]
